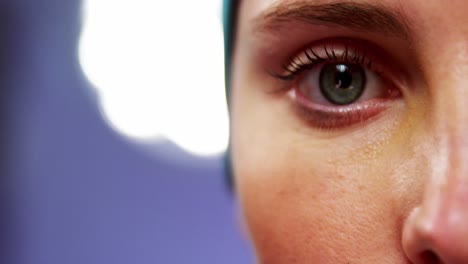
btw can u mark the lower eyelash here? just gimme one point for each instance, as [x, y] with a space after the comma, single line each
[344, 117]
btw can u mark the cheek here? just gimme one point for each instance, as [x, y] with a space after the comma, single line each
[298, 212]
[329, 203]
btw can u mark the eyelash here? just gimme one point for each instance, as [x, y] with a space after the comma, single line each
[296, 66]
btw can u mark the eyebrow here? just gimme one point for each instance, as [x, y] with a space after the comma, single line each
[356, 16]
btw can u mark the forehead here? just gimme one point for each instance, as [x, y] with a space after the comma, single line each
[424, 15]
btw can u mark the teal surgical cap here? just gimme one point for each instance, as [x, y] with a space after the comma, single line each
[229, 16]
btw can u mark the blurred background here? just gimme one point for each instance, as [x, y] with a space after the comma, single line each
[114, 125]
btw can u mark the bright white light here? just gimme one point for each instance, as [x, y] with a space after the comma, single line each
[158, 68]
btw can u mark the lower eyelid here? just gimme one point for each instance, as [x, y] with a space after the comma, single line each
[332, 117]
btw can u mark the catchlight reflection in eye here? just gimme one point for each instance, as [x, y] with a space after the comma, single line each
[158, 69]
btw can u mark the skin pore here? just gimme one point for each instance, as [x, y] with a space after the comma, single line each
[381, 177]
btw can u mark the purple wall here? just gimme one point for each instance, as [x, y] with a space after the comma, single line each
[72, 190]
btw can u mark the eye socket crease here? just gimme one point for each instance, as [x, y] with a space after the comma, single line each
[368, 17]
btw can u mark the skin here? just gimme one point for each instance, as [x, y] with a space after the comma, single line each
[390, 189]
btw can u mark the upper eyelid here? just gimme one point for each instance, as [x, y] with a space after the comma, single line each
[310, 57]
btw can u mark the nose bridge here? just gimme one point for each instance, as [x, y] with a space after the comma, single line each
[440, 224]
[450, 179]
[450, 90]
[447, 207]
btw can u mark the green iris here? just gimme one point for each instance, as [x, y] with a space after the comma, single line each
[342, 83]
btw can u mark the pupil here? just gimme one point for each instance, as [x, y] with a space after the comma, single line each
[343, 77]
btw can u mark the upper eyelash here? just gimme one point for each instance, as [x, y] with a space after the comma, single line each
[295, 65]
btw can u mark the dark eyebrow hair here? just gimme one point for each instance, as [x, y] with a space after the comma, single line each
[357, 16]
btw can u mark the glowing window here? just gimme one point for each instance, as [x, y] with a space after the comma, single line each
[158, 69]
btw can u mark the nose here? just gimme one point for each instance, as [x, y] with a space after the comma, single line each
[436, 232]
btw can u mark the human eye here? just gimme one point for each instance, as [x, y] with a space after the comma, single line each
[335, 85]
